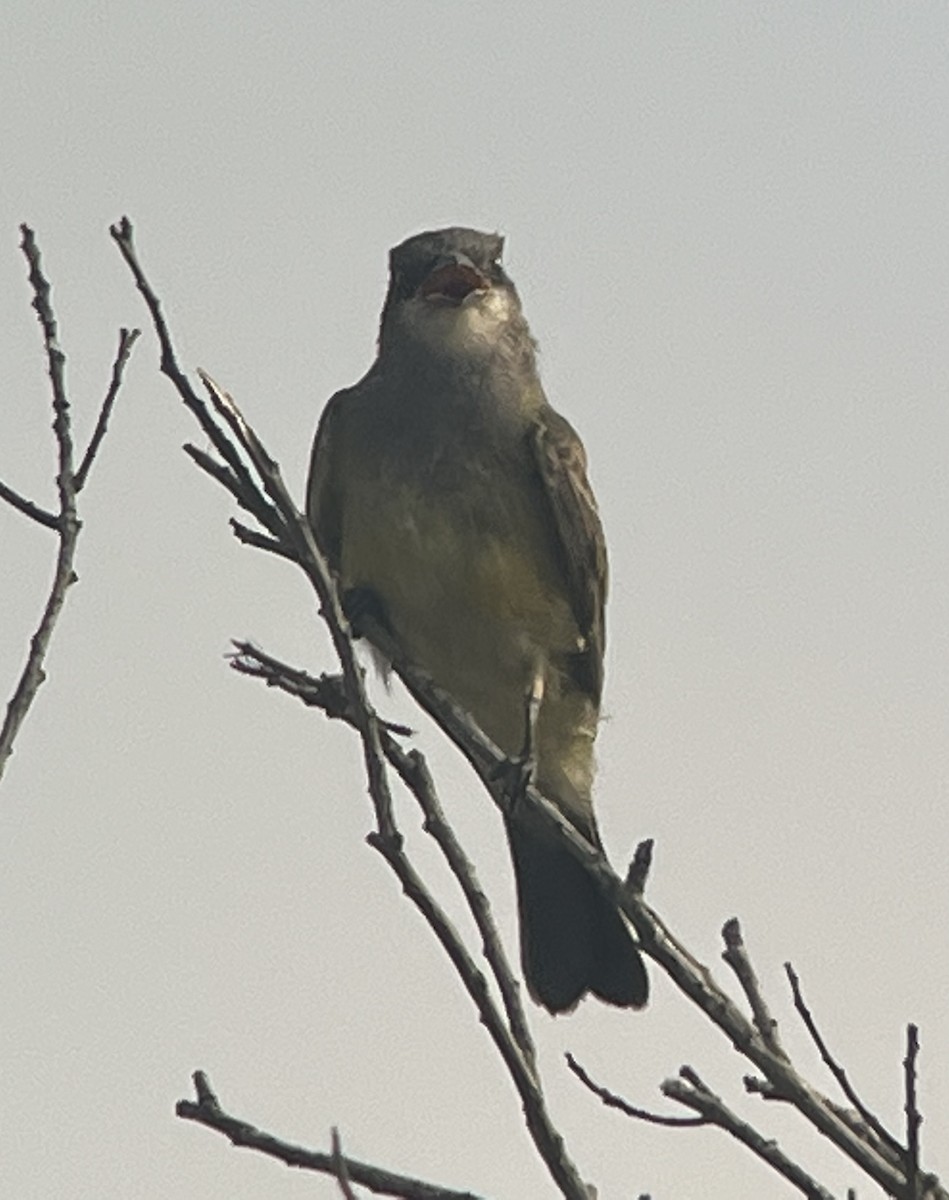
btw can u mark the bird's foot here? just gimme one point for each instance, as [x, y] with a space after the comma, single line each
[519, 773]
[515, 776]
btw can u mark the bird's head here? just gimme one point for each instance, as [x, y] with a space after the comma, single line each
[449, 296]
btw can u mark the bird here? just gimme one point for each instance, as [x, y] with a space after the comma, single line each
[449, 495]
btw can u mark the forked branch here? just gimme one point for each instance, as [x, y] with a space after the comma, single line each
[70, 480]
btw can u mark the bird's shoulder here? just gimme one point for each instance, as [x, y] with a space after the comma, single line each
[345, 406]
[327, 459]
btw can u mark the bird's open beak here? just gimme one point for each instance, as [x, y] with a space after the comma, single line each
[454, 280]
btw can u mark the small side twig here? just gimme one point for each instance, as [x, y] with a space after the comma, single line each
[340, 1170]
[639, 868]
[326, 692]
[838, 1072]
[612, 1100]
[27, 507]
[127, 339]
[251, 537]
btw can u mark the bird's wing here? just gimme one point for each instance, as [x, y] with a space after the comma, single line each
[323, 498]
[562, 462]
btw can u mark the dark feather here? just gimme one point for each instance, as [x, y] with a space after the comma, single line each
[562, 463]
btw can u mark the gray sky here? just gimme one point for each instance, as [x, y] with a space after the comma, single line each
[728, 226]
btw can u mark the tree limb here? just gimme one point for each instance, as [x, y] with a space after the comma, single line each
[208, 1112]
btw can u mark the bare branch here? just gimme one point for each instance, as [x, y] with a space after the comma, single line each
[68, 483]
[658, 941]
[737, 958]
[122, 236]
[694, 979]
[127, 339]
[612, 1100]
[55, 359]
[894, 1155]
[913, 1118]
[697, 983]
[33, 674]
[639, 868]
[250, 537]
[339, 1166]
[208, 1112]
[512, 1039]
[692, 1092]
[27, 507]
[838, 1072]
[296, 532]
[218, 471]
[548, 1141]
[414, 772]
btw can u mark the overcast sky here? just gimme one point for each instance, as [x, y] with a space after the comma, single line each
[728, 226]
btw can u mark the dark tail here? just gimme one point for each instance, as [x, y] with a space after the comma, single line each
[573, 940]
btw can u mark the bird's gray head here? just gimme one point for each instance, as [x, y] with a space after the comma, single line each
[450, 298]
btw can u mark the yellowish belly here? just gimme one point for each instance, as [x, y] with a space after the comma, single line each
[481, 611]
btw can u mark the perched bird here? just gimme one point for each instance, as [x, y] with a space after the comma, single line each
[445, 488]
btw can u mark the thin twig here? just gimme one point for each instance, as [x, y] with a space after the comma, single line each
[913, 1117]
[612, 1100]
[697, 982]
[27, 507]
[340, 1170]
[546, 1138]
[895, 1156]
[127, 339]
[250, 537]
[55, 358]
[834, 1067]
[414, 771]
[208, 1112]
[33, 674]
[122, 235]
